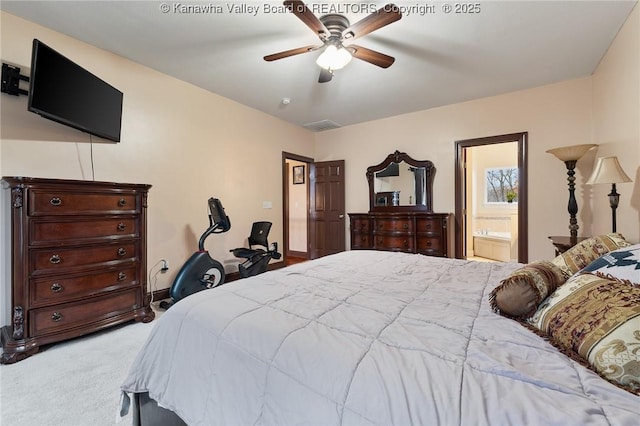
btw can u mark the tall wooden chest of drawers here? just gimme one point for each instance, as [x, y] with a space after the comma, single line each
[411, 232]
[78, 260]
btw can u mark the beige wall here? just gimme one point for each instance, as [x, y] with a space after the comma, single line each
[188, 143]
[616, 127]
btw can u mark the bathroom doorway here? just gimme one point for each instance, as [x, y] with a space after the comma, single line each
[295, 170]
[491, 198]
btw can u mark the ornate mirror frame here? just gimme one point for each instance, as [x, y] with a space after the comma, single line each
[398, 157]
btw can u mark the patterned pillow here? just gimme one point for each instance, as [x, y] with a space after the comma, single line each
[596, 320]
[519, 295]
[622, 264]
[585, 252]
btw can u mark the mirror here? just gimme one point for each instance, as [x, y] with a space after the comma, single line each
[401, 183]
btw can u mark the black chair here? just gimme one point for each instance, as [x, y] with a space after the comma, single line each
[256, 259]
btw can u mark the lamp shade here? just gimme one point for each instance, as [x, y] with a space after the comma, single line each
[608, 170]
[571, 153]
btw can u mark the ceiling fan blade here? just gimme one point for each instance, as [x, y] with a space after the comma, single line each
[291, 52]
[325, 75]
[378, 19]
[371, 56]
[301, 10]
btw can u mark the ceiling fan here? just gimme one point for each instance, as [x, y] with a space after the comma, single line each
[333, 30]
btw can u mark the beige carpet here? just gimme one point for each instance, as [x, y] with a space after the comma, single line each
[75, 382]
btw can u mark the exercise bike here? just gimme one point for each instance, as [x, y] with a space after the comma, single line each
[200, 271]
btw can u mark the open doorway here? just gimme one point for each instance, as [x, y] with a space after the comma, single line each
[313, 207]
[491, 198]
[295, 172]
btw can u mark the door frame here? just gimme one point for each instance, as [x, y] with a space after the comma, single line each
[285, 198]
[461, 191]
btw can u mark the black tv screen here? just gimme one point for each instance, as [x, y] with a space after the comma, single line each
[63, 91]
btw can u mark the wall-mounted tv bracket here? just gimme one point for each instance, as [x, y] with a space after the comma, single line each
[11, 80]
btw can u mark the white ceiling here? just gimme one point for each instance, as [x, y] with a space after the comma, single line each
[441, 58]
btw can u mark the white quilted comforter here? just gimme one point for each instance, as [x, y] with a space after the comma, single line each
[366, 337]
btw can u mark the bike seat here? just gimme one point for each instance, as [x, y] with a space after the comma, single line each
[246, 253]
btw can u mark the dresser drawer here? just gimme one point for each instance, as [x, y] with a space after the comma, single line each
[360, 225]
[431, 226]
[396, 243]
[52, 290]
[60, 259]
[431, 246]
[360, 241]
[44, 232]
[66, 316]
[393, 225]
[50, 202]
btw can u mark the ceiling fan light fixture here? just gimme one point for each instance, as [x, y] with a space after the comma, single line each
[334, 57]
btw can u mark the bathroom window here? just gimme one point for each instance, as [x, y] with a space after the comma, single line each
[501, 185]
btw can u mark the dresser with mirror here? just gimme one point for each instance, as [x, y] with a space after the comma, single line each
[401, 216]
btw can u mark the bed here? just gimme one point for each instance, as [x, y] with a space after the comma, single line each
[363, 337]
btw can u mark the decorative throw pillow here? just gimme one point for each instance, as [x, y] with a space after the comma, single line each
[596, 320]
[622, 264]
[519, 295]
[585, 252]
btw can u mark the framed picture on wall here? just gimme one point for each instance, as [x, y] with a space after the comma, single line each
[298, 175]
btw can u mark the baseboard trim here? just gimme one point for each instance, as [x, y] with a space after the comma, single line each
[300, 254]
[159, 294]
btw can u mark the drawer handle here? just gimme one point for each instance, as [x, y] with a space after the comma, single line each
[56, 316]
[122, 276]
[121, 251]
[55, 201]
[56, 288]
[122, 227]
[55, 259]
[428, 243]
[406, 243]
[405, 226]
[122, 202]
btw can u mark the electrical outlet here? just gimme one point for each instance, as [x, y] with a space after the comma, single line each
[165, 266]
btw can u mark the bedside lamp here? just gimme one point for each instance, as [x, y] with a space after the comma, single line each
[570, 156]
[608, 170]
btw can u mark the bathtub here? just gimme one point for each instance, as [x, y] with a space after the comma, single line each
[494, 235]
[492, 245]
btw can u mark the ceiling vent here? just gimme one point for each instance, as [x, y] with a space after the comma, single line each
[320, 126]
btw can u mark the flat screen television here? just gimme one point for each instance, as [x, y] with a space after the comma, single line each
[63, 91]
